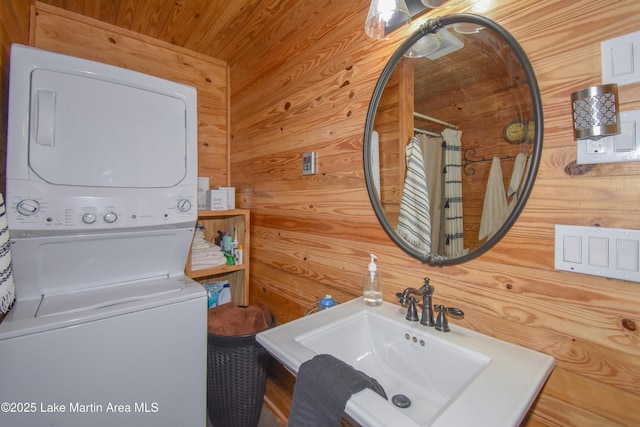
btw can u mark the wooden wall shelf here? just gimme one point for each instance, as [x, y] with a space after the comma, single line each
[237, 275]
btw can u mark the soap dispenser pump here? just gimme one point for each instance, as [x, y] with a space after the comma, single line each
[372, 291]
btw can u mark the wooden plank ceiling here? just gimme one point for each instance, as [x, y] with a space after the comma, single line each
[220, 28]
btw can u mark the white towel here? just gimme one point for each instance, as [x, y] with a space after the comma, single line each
[518, 190]
[495, 210]
[516, 175]
[205, 254]
[7, 287]
[204, 265]
[414, 222]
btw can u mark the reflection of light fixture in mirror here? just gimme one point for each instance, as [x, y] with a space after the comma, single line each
[441, 3]
[384, 17]
[448, 44]
[467, 28]
[482, 6]
[425, 46]
[595, 112]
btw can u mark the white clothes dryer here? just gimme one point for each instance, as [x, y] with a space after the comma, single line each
[101, 203]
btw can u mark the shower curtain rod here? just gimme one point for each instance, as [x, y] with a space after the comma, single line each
[427, 132]
[433, 119]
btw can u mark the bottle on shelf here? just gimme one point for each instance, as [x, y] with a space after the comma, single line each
[225, 295]
[239, 254]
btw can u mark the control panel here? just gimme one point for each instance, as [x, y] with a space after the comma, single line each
[98, 213]
[309, 163]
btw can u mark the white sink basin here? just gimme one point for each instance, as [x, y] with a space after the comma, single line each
[428, 371]
[455, 378]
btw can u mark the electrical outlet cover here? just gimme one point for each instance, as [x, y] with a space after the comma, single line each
[610, 149]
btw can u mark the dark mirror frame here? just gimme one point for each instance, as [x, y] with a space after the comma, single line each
[430, 27]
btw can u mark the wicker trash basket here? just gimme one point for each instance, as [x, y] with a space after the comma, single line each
[236, 378]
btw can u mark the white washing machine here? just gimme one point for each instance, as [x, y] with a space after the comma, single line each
[101, 203]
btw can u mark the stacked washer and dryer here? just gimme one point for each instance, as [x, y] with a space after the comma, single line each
[101, 203]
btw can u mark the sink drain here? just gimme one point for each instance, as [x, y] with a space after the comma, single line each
[401, 401]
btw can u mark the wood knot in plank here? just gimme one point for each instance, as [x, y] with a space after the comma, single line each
[575, 169]
[629, 324]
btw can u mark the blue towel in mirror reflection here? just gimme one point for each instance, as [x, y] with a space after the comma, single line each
[323, 386]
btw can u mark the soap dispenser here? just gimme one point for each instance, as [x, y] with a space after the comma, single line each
[372, 291]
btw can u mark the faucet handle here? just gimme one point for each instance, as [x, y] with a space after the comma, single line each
[403, 299]
[442, 324]
[426, 288]
[412, 312]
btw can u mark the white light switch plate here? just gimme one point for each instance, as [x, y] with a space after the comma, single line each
[621, 59]
[599, 251]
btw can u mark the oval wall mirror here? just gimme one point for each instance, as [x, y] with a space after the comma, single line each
[453, 139]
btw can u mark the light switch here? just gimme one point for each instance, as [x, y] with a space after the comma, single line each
[627, 254]
[621, 59]
[626, 141]
[572, 249]
[598, 251]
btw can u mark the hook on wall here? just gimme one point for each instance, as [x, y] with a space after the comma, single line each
[468, 160]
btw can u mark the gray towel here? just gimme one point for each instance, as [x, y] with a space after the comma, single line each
[323, 386]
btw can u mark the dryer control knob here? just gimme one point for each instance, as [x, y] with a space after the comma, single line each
[110, 217]
[184, 205]
[28, 207]
[89, 218]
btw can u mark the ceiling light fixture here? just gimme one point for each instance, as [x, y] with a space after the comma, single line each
[386, 16]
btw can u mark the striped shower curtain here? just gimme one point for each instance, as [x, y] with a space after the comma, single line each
[454, 227]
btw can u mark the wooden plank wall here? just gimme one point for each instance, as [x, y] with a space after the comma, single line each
[308, 88]
[72, 34]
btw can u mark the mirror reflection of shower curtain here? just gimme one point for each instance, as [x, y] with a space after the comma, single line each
[454, 228]
[414, 221]
[433, 156]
